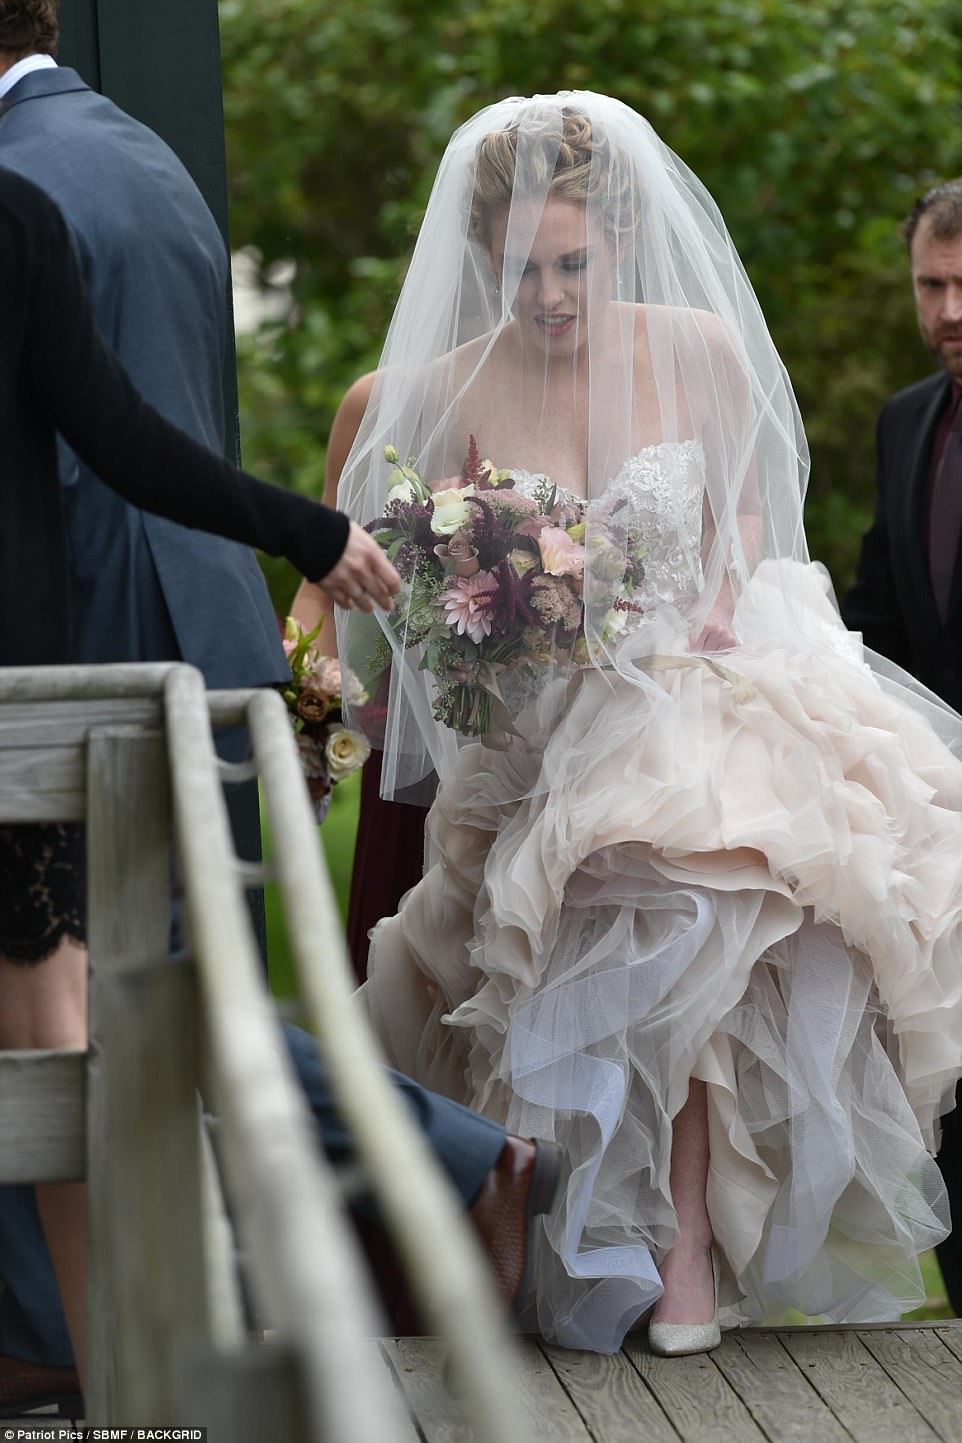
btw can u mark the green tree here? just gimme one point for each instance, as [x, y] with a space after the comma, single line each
[813, 122]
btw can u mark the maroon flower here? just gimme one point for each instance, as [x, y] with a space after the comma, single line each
[471, 470]
[511, 607]
[491, 535]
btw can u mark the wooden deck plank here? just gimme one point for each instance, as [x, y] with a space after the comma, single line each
[883, 1384]
[858, 1391]
[926, 1371]
[696, 1396]
[547, 1414]
[611, 1397]
[951, 1335]
[775, 1391]
[412, 1433]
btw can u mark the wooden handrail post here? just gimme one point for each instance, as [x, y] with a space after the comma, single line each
[146, 1293]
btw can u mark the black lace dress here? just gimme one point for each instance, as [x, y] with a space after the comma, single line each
[42, 879]
[56, 374]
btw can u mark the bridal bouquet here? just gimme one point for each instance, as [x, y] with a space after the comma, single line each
[492, 582]
[329, 751]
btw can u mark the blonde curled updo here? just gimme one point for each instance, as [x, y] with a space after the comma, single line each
[574, 166]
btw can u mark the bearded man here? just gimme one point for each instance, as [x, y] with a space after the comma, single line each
[907, 596]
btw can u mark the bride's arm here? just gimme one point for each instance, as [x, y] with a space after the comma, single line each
[743, 539]
[312, 604]
[716, 634]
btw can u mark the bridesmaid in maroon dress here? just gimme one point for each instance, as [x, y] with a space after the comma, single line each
[389, 855]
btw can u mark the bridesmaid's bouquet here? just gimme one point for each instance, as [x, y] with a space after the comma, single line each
[492, 583]
[329, 751]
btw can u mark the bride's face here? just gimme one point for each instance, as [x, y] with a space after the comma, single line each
[558, 281]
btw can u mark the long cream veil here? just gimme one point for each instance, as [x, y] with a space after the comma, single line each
[669, 346]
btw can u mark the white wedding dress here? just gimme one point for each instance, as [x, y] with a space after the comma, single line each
[745, 868]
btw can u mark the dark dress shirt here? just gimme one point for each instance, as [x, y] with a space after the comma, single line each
[938, 450]
[891, 601]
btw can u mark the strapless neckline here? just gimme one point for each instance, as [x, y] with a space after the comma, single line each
[692, 446]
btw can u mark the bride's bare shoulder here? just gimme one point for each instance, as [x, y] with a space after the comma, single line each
[466, 359]
[686, 322]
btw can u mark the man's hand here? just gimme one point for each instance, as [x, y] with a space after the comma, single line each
[363, 577]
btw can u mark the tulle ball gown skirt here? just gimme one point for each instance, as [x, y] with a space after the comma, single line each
[749, 874]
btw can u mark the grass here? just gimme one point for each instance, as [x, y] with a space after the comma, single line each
[936, 1304]
[337, 837]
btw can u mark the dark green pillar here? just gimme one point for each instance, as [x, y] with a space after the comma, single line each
[160, 61]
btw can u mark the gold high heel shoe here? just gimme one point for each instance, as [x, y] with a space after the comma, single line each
[674, 1340]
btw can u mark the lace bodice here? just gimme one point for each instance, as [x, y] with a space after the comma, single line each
[657, 495]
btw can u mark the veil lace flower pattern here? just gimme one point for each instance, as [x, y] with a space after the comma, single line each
[493, 583]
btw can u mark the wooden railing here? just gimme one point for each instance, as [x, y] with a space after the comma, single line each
[212, 1211]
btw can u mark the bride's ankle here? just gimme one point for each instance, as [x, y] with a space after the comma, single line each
[689, 1287]
[690, 1244]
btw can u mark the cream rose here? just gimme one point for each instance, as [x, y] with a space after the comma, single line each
[451, 510]
[345, 752]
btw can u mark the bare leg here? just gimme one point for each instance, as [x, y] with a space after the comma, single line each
[686, 1272]
[45, 1006]
[63, 1214]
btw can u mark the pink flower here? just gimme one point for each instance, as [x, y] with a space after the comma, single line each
[289, 645]
[560, 556]
[467, 604]
[313, 760]
[459, 546]
[325, 673]
[459, 555]
[566, 513]
[511, 503]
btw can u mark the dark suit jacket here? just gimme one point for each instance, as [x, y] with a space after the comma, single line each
[144, 588]
[57, 375]
[891, 602]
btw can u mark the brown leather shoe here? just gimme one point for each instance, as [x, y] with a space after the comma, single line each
[521, 1185]
[25, 1386]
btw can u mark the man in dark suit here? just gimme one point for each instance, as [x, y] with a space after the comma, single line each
[907, 596]
[156, 269]
[143, 588]
[157, 273]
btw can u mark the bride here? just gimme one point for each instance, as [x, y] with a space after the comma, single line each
[694, 868]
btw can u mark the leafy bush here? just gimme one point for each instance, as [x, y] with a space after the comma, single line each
[814, 123]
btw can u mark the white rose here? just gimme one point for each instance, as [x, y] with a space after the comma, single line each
[451, 510]
[345, 751]
[402, 490]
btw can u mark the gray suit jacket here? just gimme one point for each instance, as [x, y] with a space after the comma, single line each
[155, 264]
